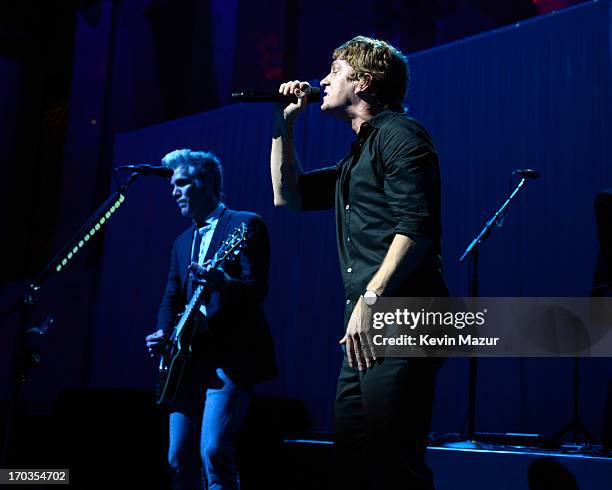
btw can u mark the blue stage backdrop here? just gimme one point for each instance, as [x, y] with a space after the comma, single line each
[535, 95]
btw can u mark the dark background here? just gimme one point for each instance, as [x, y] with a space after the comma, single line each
[76, 73]
[79, 81]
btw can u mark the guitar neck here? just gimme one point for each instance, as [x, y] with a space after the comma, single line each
[191, 306]
[228, 248]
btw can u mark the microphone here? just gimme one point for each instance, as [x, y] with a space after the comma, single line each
[314, 95]
[148, 170]
[527, 173]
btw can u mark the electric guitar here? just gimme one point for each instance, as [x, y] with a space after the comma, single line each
[177, 351]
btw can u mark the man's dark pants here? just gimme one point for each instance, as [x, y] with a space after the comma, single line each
[382, 420]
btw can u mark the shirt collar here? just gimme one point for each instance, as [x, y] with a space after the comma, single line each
[213, 217]
[377, 121]
[368, 127]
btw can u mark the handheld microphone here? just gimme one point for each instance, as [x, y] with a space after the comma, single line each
[314, 95]
[148, 170]
[527, 173]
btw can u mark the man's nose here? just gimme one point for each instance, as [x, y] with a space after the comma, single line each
[175, 192]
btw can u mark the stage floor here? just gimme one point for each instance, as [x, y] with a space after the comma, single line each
[463, 465]
[506, 468]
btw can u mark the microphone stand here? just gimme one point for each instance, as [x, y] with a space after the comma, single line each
[575, 426]
[474, 281]
[24, 357]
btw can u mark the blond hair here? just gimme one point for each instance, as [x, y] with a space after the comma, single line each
[386, 64]
[202, 166]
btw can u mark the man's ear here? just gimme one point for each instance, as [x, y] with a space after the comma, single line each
[364, 82]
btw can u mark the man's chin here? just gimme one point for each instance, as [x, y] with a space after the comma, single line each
[338, 112]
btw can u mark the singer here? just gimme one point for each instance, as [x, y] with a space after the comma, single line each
[386, 194]
[235, 351]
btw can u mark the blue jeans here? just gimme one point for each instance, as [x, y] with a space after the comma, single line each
[203, 428]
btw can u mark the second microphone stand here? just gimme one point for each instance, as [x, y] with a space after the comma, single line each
[23, 356]
[472, 252]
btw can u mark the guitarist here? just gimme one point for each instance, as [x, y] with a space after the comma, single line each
[233, 348]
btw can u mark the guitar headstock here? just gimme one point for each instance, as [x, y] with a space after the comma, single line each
[232, 245]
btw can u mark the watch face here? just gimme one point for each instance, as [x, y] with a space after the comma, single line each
[370, 298]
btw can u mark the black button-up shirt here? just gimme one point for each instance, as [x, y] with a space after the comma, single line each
[388, 184]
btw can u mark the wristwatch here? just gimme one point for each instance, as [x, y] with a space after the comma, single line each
[370, 297]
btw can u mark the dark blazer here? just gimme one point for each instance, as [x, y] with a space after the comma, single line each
[238, 337]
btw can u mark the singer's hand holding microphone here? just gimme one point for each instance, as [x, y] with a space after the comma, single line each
[299, 90]
[291, 99]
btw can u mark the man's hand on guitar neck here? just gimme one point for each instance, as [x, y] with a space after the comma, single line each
[155, 342]
[214, 279]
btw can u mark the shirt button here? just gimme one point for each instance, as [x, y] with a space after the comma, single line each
[348, 239]
[347, 207]
[350, 269]
[348, 301]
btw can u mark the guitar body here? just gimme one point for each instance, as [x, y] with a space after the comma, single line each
[178, 352]
[173, 363]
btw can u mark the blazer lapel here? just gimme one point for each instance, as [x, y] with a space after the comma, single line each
[183, 252]
[220, 234]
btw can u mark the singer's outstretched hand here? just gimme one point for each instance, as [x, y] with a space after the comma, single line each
[300, 90]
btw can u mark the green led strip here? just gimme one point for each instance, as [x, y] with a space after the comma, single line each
[93, 230]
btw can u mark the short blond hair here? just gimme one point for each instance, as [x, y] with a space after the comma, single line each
[202, 166]
[387, 65]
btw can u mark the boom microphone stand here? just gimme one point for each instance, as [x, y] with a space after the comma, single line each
[472, 252]
[24, 357]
